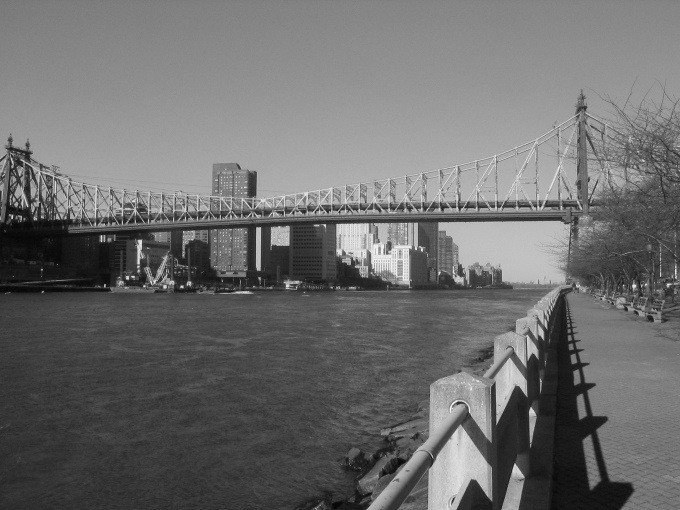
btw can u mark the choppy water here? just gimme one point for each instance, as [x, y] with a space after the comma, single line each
[229, 401]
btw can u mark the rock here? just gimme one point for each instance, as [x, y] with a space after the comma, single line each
[380, 486]
[406, 428]
[384, 465]
[357, 460]
[346, 505]
[316, 504]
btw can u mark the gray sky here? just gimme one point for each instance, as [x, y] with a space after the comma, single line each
[311, 94]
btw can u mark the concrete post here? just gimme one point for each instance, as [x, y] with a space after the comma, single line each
[528, 326]
[512, 393]
[471, 452]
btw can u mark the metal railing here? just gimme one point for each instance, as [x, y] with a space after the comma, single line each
[482, 427]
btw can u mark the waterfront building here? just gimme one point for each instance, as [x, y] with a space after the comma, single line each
[233, 251]
[401, 265]
[312, 252]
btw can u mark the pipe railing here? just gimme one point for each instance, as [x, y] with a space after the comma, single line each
[482, 427]
[396, 492]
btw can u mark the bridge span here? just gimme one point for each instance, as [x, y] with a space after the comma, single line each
[545, 179]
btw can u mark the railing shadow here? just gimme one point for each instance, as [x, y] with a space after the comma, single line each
[572, 487]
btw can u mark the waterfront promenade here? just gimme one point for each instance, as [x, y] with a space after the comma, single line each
[617, 437]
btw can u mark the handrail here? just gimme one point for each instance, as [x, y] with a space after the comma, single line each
[422, 459]
[498, 364]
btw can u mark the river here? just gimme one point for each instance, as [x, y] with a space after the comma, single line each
[230, 401]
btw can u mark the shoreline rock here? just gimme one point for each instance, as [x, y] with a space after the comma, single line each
[401, 439]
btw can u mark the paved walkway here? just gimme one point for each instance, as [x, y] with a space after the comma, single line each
[618, 411]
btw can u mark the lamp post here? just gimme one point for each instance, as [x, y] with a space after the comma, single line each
[650, 249]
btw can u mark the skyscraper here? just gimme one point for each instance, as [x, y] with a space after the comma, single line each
[312, 252]
[232, 251]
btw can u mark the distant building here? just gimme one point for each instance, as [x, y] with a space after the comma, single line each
[417, 235]
[278, 266]
[173, 239]
[195, 235]
[403, 265]
[483, 276]
[356, 240]
[197, 252]
[233, 251]
[280, 236]
[312, 252]
[354, 237]
[445, 254]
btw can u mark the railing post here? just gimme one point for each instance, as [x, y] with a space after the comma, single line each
[471, 452]
[512, 401]
[528, 326]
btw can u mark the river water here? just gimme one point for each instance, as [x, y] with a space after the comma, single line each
[228, 401]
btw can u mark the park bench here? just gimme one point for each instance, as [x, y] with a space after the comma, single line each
[640, 308]
[611, 298]
[629, 304]
[655, 311]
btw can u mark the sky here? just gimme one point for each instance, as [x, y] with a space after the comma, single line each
[311, 94]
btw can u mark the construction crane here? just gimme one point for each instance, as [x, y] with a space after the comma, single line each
[161, 273]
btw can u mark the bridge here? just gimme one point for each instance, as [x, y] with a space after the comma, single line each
[545, 179]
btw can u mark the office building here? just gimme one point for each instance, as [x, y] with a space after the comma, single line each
[312, 252]
[403, 265]
[232, 251]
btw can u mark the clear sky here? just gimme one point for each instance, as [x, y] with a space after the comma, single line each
[311, 94]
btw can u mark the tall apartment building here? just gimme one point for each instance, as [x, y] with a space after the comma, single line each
[312, 252]
[233, 251]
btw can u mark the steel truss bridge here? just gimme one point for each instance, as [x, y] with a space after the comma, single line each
[545, 179]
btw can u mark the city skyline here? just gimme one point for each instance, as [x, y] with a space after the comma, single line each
[314, 94]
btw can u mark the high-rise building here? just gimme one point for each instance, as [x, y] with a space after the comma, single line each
[232, 251]
[445, 255]
[312, 252]
[417, 234]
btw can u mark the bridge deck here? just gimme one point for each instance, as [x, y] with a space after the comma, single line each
[617, 438]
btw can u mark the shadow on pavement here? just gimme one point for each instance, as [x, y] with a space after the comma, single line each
[577, 444]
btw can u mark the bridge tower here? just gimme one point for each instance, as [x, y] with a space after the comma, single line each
[15, 182]
[582, 156]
